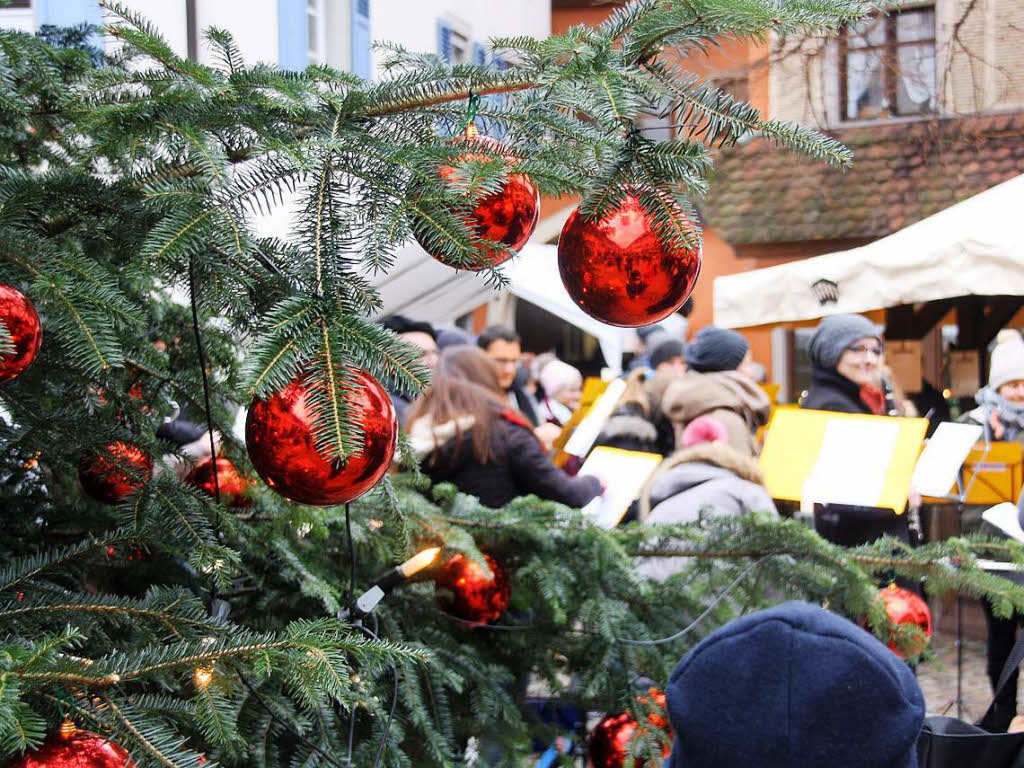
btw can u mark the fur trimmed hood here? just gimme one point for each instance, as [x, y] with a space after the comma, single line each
[721, 455]
[426, 437]
[691, 467]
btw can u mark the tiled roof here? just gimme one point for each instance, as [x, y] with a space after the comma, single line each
[902, 173]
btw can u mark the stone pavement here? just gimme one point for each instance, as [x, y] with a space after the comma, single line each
[938, 678]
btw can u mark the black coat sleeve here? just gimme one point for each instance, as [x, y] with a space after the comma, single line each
[533, 472]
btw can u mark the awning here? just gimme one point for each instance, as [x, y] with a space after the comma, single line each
[420, 287]
[973, 248]
[424, 289]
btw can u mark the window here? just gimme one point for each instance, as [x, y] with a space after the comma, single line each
[315, 31]
[452, 44]
[887, 66]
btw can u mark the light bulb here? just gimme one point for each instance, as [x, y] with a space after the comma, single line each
[419, 561]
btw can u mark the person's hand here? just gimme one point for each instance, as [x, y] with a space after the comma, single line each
[547, 434]
[997, 426]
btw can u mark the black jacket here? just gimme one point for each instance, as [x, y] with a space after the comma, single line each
[521, 467]
[524, 404]
[831, 391]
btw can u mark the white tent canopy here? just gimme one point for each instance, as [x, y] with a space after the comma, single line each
[420, 287]
[975, 247]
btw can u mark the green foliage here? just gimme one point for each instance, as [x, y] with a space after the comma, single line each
[126, 179]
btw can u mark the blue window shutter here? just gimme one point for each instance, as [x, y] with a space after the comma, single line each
[361, 38]
[444, 40]
[292, 35]
[479, 55]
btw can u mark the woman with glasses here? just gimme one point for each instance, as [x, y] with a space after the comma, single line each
[846, 357]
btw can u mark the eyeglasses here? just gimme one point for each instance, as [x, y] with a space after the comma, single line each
[871, 349]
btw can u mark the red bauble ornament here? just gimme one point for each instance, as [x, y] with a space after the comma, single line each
[608, 744]
[279, 436]
[508, 216]
[233, 486]
[904, 607]
[118, 471]
[22, 323]
[476, 595]
[619, 272]
[72, 748]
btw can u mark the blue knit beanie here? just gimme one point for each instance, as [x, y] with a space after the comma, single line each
[716, 349]
[794, 685]
[837, 334]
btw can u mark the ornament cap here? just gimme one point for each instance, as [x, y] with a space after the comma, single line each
[471, 131]
[68, 728]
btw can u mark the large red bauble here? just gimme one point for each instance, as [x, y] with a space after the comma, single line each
[72, 748]
[279, 436]
[476, 595]
[619, 272]
[608, 744]
[116, 472]
[232, 485]
[508, 216]
[904, 607]
[22, 323]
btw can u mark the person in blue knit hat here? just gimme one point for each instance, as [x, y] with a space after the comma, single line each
[794, 685]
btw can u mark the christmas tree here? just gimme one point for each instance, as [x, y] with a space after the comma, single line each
[210, 619]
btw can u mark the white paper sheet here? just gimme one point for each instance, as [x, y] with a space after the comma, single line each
[625, 473]
[582, 439]
[942, 457]
[1005, 517]
[852, 464]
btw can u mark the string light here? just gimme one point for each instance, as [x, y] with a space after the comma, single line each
[202, 677]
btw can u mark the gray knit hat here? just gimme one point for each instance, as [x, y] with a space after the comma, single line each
[716, 349]
[837, 334]
[662, 347]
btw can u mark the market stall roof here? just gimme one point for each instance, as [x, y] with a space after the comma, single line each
[422, 288]
[973, 248]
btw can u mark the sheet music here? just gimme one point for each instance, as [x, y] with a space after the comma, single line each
[1005, 517]
[852, 464]
[944, 454]
[625, 472]
[586, 433]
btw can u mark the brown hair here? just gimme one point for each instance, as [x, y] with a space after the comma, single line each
[465, 383]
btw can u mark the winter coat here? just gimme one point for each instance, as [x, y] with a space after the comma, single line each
[705, 480]
[518, 398]
[632, 427]
[519, 465]
[831, 391]
[735, 400]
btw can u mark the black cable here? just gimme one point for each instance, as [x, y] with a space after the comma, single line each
[351, 560]
[202, 369]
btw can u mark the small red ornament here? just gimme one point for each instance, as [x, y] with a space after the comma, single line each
[508, 216]
[619, 272]
[476, 595]
[73, 748]
[118, 471]
[904, 607]
[279, 436]
[608, 744]
[233, 485]
[22, 323]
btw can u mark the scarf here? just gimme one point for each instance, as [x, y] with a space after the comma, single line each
[874, 398]
[1011, 415]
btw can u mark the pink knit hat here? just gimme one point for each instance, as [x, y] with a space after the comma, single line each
[704, 429]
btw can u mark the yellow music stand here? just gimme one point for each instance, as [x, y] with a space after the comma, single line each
[593, 388]
[993, 473]
[795, 438]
